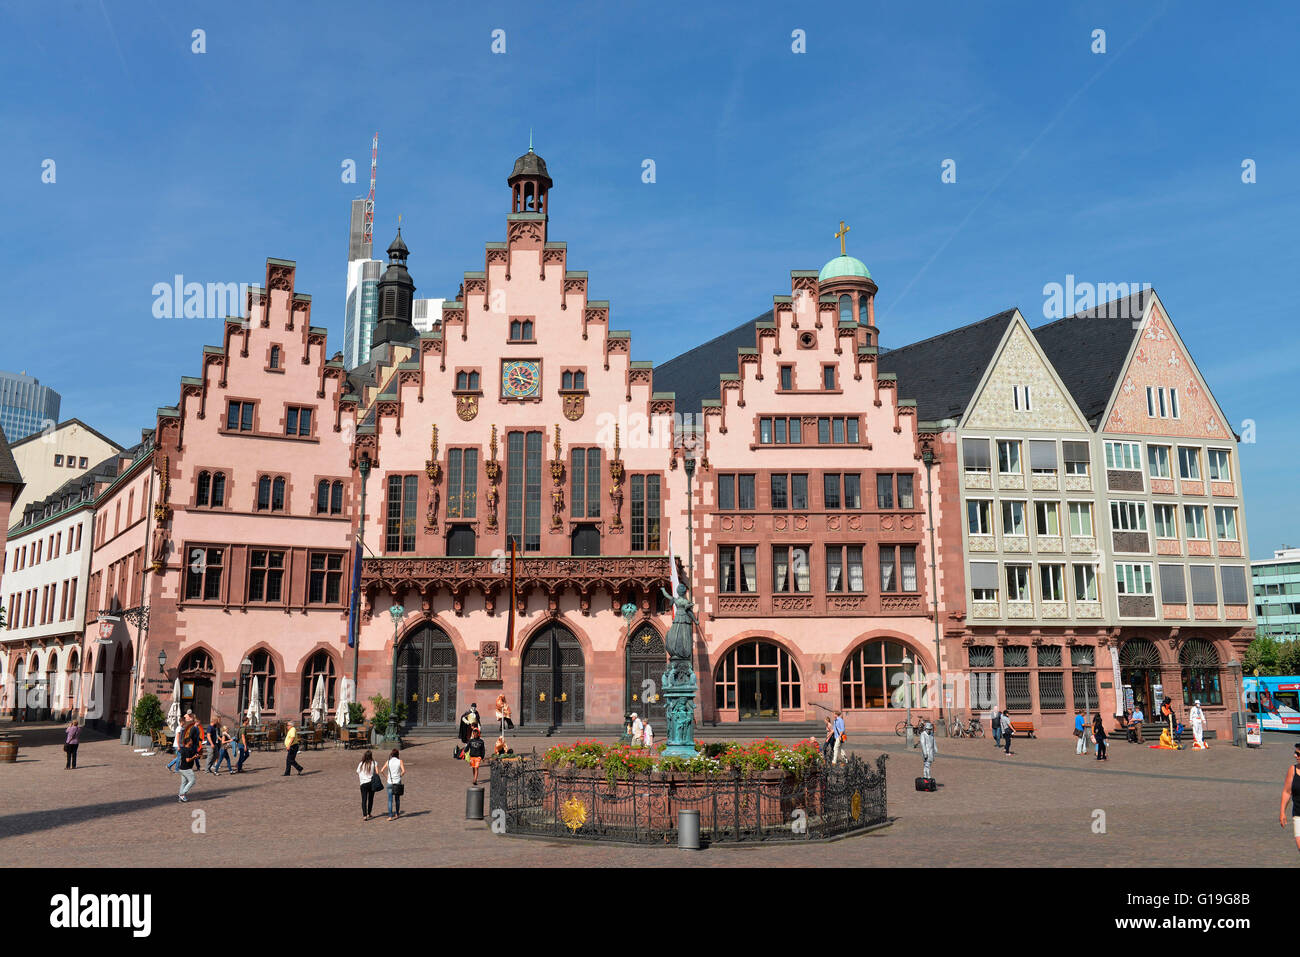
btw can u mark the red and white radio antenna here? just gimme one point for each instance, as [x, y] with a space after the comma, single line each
[368, 228]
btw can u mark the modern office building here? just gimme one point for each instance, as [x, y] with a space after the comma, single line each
[426, 314]
[1277, 594]
[361, 302]
[26, 406]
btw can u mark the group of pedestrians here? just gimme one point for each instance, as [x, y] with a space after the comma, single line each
[641, 732]
[835, 739]
[1094, 733]
[371, 782]
[1000, 720]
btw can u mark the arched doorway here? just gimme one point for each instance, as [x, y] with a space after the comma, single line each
[426, 677]
[71, 683]
[758, 680]
[1139, 667]
[646, 659]
[554, 679]
[1199, 662]
[120, 699]
[20, 693]
[196, 673]
[874, 676]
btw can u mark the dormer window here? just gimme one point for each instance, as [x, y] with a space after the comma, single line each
[521, 330]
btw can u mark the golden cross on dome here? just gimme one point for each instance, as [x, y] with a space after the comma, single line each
[843, 231]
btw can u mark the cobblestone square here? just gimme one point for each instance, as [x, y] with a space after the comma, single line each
[1037, 807]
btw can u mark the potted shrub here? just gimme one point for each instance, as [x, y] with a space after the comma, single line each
[147, 719]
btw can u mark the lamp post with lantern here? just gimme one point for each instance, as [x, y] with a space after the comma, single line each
[363, 468]
[907, 677]
[398, 612]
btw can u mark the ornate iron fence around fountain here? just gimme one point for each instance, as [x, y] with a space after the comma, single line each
[528, 798]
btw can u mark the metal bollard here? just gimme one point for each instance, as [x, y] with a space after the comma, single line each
[688, 830]
[474, 804]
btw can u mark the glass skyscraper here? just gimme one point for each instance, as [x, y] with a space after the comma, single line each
[26, 406]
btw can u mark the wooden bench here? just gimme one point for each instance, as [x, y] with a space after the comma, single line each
[1022, 728]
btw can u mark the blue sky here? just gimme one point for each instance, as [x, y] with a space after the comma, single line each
[1115, 167]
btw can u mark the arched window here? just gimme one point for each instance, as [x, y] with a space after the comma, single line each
[321, 666]
[322, 497]
[263, 493]
[580, 380]
[277, 494]
[846, 308]
[275, 357]
[1200, 666]
[336, 498]
[864, 313]
[462, 381]
[1139, 668]
[205, 487]
[566, 381]
[218, 489]
[758, 679]
[196, 661]
[264, 671]
[875, 677]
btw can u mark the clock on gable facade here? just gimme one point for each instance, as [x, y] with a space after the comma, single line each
[521, 378]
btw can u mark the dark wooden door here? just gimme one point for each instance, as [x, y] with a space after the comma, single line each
[554, 679]
[426, 678]
[646, 660]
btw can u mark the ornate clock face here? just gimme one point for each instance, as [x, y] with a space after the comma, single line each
[520, 378]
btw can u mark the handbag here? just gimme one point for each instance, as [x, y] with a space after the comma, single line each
[399, 789]
[376, 782]
[1078, 733]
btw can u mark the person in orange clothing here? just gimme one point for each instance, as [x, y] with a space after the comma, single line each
[477, 751]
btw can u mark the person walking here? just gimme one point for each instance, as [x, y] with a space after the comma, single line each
[224, 743]
[291, 743]
[638, 729]
[838, 729]
[189, 750]
[1099, 736]
[928, 749]
[1006, 730]
[995, 719]
[477, 752]
[71, 738]
[648, 735]
[214, 742]
[1196, 715]
[1291, 792]
[241, 746]
[828, 749]
[1080, 734]
[366, 772]
[394, 771]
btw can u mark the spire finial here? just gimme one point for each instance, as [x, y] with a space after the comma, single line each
[843, 231]
[530, 139]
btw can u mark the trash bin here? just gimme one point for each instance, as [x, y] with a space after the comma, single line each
[126, 735]
[474, 804]
[688, 830]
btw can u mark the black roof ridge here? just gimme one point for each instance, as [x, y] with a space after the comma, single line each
[748, 323]
[10, 474]
[1093, 313]
[950, 332]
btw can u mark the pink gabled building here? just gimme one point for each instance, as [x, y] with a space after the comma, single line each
[251, 506]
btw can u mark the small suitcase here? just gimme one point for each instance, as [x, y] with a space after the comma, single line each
[926, 784]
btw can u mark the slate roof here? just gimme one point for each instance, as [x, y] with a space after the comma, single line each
[1088, 350]
[9, 474]
[694, 375]
[941, 372]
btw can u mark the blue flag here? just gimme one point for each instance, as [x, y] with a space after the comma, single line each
[356, 592]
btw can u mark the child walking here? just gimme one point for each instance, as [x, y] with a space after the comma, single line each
[477, 751]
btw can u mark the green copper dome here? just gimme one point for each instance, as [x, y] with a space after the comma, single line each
[842, 266]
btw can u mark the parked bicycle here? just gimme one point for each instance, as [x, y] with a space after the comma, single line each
[900, 729]
[971, 729]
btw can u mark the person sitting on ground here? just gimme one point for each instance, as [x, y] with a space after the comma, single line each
[1166, 741]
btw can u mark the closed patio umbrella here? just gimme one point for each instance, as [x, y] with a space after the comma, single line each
[341, 712]
[254, 707]
[318, 700]
[174, 711]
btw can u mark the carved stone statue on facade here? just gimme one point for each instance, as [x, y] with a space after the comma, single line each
[678, 682]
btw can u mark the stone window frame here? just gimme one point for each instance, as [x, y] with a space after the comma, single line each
[279, 368]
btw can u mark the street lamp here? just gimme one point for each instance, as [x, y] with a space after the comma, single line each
[689, 464]
[398, 613]
[363, 467]
[162, 661]
[907, 674]
[245, 669]
[927, 456]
